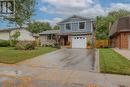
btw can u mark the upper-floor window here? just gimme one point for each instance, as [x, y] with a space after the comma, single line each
[81, 25]
[68, 26]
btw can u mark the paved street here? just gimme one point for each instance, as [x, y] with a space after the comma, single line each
[62, 68]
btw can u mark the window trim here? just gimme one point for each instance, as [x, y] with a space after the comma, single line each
[70, 26]
[48, 37]
[75, 22]
[79, 25]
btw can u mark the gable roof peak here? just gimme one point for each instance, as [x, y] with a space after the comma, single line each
[75, 16]
[121, 24]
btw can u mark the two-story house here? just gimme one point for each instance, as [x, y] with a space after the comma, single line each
[75, 31]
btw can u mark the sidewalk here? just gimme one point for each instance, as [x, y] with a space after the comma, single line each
[68, 78]
[123, 52]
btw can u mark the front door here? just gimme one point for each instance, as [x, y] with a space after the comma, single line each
[64, 40]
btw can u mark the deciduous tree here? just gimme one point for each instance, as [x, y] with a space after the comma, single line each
[102, 22]
[23, 11]
[56, 27]
[37, 27]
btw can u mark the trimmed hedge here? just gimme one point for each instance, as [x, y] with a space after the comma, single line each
[4, 43]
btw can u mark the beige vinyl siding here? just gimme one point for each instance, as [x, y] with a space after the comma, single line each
[24, 35]
[4, 35]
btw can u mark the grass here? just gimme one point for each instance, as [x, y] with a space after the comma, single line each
[10, 56]
[112, 62]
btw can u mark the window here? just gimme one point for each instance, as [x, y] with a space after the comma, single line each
[68, 26]
[82, 25]
[49, 37]
[53, 36]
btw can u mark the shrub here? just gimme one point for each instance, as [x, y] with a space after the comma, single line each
[19, 46]
[88, 43]
[24, 45]
[13, 43]
[107, 47]
[56, 45]
[29, 46]
[4, 43]
[48, 44]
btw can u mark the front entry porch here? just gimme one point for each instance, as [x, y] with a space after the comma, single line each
[64, 40]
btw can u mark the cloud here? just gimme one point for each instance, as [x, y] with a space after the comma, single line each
[96, 10]
[87, 8]
[52, 22]
[44, 9]
[69, 3]
[71, 7]
[118, 6]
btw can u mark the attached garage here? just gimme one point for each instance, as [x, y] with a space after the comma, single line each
[79, 41]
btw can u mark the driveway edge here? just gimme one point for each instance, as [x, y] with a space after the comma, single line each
[42, 55]
[97, 63]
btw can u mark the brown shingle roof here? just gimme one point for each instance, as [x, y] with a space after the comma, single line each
[50, 32]
[121, 25]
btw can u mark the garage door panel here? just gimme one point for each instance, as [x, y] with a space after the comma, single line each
[79, 41]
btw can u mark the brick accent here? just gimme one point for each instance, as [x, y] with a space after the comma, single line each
[124, 40]
[120, 40]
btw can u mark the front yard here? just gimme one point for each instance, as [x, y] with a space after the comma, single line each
[10, 56]
[112, 62]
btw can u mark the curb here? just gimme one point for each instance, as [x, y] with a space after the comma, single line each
[97, 64]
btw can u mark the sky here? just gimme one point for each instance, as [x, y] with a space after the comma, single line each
[54, 11]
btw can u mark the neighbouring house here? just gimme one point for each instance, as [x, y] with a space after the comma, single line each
[49, 37]
[120, 33]
[5, 34]
[75, 31]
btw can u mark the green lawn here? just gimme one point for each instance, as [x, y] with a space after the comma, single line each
[10, 56]
[112, 62]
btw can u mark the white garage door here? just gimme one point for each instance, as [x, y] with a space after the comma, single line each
[79, 41]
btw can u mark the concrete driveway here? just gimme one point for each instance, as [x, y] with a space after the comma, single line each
[71, 59]
[62, 68]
